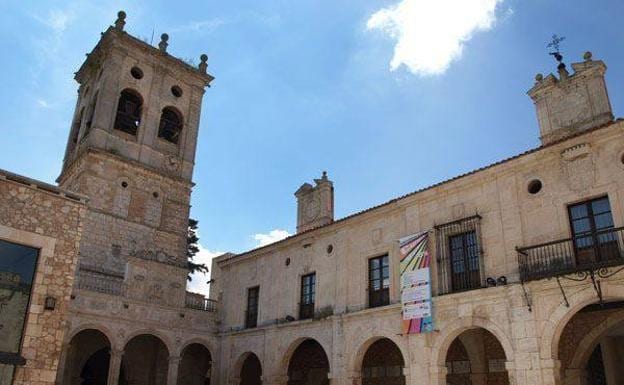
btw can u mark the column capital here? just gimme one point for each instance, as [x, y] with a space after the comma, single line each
[174, 359]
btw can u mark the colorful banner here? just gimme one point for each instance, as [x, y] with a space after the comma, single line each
[416, 284]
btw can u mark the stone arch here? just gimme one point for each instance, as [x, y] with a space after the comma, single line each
[86, 358]
[197, 340]
[292, 347]
[95, 326]
[355, 363]
[308, 363]
[589, 342]
[196, 364]
[237, 376]
[383, 362]
[145, 359]
[457, 327]
[559, 317]
[164, 338]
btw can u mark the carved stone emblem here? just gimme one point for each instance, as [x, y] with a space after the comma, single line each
[578, 167]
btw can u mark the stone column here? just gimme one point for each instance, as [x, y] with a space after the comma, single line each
[551, 372]
[575, 377]
[62, 365]
[438, 375]
[172, 373]
[478, 378]
[114, 366]
[235, 381]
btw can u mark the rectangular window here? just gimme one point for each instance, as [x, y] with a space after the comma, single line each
[17, 271]
[251, 315]
[378, 281]
[464, 258]
[308, 291]
[592, 231]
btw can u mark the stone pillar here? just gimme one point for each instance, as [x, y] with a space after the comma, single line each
[114, 366]
[172, 373]
[575, 377]
[236, 381]
[551, 372]
[62, 365]
[437, 374]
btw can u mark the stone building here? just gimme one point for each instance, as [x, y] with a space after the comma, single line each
[510, 274]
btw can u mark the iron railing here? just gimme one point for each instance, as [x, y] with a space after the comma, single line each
[199, 302]
[306, 311]
[459, 255]
[101, 282]
[251, 319]
[589, 251]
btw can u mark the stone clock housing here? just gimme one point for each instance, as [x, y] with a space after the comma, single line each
[315, 205]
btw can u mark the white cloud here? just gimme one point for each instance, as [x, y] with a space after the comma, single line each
[271, 237]
[43, 103]
[430, 34]
[199, 282]
[203, 26]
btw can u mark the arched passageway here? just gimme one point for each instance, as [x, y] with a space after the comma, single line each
[195, 365]
[145, 361]
[476, 357]
[308, 365]
[87, 359]
[383, 364]
[251, 371]
[591, 346]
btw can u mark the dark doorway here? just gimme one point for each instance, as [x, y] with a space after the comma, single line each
[308, 365]
[251, 372]
[383, 364]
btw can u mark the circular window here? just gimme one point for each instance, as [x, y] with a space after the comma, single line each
[136, 73]
[287, 261]
[330, 248]
[124, 184]
[534, 186]
[176, 91]
[155, 194]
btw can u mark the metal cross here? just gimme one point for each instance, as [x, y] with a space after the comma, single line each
[555, 42]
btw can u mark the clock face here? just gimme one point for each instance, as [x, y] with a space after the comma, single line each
[312, 209]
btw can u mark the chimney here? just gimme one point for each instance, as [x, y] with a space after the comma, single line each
[315, 204]
[571, 103]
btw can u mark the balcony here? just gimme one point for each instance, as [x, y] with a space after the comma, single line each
[199, 302]
[306, 311]
[589, 251]
[100, 281]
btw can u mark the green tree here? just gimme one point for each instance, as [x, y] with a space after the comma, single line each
[192, 248]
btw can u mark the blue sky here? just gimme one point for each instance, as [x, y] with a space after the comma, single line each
[387, 96]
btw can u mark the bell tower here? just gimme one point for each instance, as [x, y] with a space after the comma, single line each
[131, 150]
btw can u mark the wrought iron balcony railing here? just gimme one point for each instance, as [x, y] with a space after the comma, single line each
[589, 251]
[101, 282]
[199, 302]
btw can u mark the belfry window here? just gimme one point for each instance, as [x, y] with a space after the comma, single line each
[170, 125]
[129, 111]
[90, 114]
[76, 128]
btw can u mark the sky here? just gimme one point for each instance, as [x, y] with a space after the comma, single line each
[386, 96]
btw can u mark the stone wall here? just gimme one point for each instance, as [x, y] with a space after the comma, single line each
[41, 216]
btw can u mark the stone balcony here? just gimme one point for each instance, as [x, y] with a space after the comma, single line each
[114, 284]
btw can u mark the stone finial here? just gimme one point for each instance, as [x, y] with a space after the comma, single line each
[563, 71]
[203, 65]
[324, 176]
[587, 56]
[539, 77]
[164, 38]
[121, 20]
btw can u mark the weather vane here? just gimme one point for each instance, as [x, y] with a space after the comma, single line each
[555, 44]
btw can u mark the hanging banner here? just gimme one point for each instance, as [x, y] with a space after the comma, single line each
[416, 284]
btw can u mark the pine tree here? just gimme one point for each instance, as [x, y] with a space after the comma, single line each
[191, 249]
